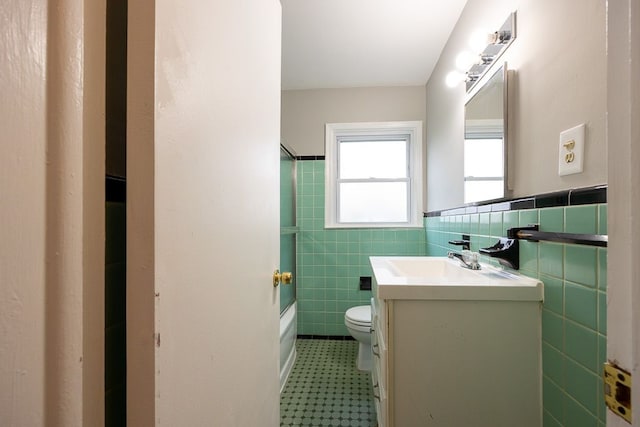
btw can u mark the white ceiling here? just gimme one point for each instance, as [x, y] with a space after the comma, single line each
[358, 43]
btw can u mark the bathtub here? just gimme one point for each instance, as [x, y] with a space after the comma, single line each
[288, 332]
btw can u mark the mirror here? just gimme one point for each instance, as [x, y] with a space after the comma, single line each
[485, 139]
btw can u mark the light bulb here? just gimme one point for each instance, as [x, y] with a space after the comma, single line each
[465, 60]
[479, 40]
[454, 78]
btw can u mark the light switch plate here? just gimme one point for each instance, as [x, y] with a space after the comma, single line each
[571, 151]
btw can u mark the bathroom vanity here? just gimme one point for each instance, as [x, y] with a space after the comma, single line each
[455, 347]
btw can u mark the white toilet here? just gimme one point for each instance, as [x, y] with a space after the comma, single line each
[358, 322]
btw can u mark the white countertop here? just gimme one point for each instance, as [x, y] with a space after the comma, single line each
[441, 278]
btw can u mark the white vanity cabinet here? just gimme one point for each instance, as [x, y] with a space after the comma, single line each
[452, 362]
[379, 365]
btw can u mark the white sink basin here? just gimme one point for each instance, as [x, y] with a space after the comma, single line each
[441, 278]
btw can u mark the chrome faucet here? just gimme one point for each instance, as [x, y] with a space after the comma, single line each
[468, 260]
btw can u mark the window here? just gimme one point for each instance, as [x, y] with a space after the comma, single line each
[373, 174]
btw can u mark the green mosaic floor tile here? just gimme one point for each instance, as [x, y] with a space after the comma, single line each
[326, 389]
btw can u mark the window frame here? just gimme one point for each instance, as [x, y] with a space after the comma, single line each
[412, 131]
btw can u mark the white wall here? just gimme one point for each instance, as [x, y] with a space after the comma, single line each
[305, 112]
[560, 63]
[52, 213]
[22, 213]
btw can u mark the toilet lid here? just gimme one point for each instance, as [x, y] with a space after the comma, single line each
[360, 315]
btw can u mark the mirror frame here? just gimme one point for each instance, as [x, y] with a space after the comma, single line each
[480, 84]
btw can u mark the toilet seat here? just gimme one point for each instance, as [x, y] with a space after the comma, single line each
[359, 315]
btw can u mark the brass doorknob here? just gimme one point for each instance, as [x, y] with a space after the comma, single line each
[285, 278]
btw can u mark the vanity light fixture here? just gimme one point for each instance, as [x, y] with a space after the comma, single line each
[487, 47]
[454, 78]
[465, 59]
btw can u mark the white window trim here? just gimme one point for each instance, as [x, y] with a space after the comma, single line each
[334, 131]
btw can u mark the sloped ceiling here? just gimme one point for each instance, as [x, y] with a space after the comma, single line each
[363, 43]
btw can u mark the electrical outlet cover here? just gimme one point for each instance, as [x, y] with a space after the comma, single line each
[571, 151]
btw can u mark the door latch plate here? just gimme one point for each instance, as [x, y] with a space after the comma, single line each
[617, 390]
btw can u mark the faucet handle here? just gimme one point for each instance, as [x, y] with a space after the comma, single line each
[465, 242]
[506, 251]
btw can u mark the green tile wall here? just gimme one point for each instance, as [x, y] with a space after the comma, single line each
[574, 311]
[330, 262]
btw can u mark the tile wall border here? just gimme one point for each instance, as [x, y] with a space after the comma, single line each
[571, 197]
